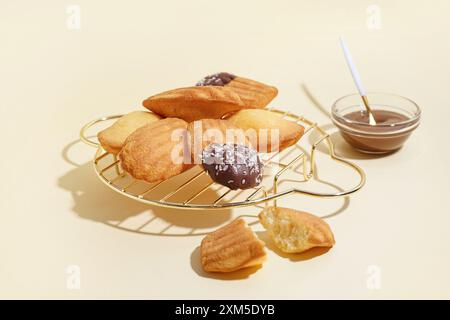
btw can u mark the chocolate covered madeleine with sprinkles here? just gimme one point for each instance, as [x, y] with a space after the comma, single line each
[233, 165]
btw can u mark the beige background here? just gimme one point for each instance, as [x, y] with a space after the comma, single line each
[56, 213]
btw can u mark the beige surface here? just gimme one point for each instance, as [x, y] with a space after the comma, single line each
[55, 213]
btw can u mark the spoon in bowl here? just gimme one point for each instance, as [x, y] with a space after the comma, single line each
[357, 80]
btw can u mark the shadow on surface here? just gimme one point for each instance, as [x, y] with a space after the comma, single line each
[93, 200]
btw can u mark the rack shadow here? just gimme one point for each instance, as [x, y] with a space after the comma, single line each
[95, 201]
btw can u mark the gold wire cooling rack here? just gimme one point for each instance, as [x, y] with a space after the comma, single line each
[195, 190]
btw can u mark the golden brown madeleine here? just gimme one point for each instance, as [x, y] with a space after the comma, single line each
[232, 247]
[253, 94]
[212, 97]
[155, 152]
[194, 103]
[113, 137]
[206, 131]
[268, 128]
[295, 231]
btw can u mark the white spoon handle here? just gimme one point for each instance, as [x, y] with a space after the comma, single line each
[357, 80]
[352, 67]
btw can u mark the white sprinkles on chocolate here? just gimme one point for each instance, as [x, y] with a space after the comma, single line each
[233, 165]
[217, 79]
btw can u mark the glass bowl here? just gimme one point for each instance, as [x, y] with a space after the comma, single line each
[396, 118]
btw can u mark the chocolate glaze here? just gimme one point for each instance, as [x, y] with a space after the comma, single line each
[232, 165]
[370, 140]
[382, 117]
[217, 79]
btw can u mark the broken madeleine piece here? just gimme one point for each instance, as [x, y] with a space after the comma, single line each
[232, 247]
[295, 231]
